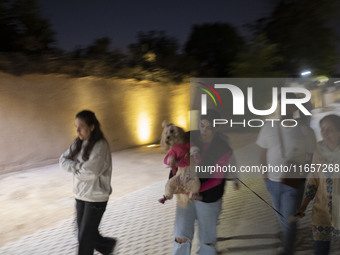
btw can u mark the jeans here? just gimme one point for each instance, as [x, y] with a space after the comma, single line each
[287, 201]
[321, 247]
[207, 216]
[89, 215]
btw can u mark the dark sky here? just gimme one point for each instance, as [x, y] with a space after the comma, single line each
[80, 22]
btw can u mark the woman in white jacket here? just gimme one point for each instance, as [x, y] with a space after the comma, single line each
[89, 159]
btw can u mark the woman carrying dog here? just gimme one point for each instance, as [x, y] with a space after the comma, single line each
[213, 149]
[324, 187]
[89, 159]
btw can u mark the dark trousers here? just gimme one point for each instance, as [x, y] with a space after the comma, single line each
[89, 215]
[321, 247]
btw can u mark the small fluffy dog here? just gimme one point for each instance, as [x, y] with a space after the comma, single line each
[177, 141]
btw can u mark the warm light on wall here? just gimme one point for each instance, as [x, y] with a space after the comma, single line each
[180, 108]
[194, 116]
[181, 121]
[147, 105]
[143, 127]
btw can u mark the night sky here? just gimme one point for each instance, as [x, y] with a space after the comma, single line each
[78, 23]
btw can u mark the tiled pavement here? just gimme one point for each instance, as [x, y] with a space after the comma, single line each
[144, 227]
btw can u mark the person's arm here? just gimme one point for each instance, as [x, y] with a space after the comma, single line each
[303, 207]
[310, 192]
[311, 187]
[217, 177]
[211, 183]
[67, 164]
[310, 141]
[263, 161]
[263, 143]
[98, 162]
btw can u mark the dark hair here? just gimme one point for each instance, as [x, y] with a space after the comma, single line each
[90, 119]
[335, 119]
[210, 116]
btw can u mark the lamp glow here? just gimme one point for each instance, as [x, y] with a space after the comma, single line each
[306, 73]
[143, 127]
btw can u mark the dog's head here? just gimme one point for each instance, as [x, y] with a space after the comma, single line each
[171, 135]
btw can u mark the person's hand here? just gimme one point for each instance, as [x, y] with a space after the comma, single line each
[301, 212]
[194, 153]
[173, 164]
[196, 196]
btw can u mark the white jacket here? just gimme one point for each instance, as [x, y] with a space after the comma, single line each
[92, 178]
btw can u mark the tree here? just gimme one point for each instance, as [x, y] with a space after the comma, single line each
[214, 46]
[8, 31]
[154, 49]
[99, 48]
[22, 28]
[301, 31]
[259, 58]
[35, 33]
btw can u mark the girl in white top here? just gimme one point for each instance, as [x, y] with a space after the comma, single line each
[89, 159]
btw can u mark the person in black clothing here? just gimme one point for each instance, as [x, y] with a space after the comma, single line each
[214, 150]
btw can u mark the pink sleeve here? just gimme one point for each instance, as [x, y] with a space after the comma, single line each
[183, 162]
[170, 153]
[217, 177]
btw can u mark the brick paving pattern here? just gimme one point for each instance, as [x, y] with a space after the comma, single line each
[144, 227]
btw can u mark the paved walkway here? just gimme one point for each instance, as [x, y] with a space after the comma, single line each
[144, 227]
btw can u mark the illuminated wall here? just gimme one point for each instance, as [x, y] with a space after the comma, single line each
[37, 114]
